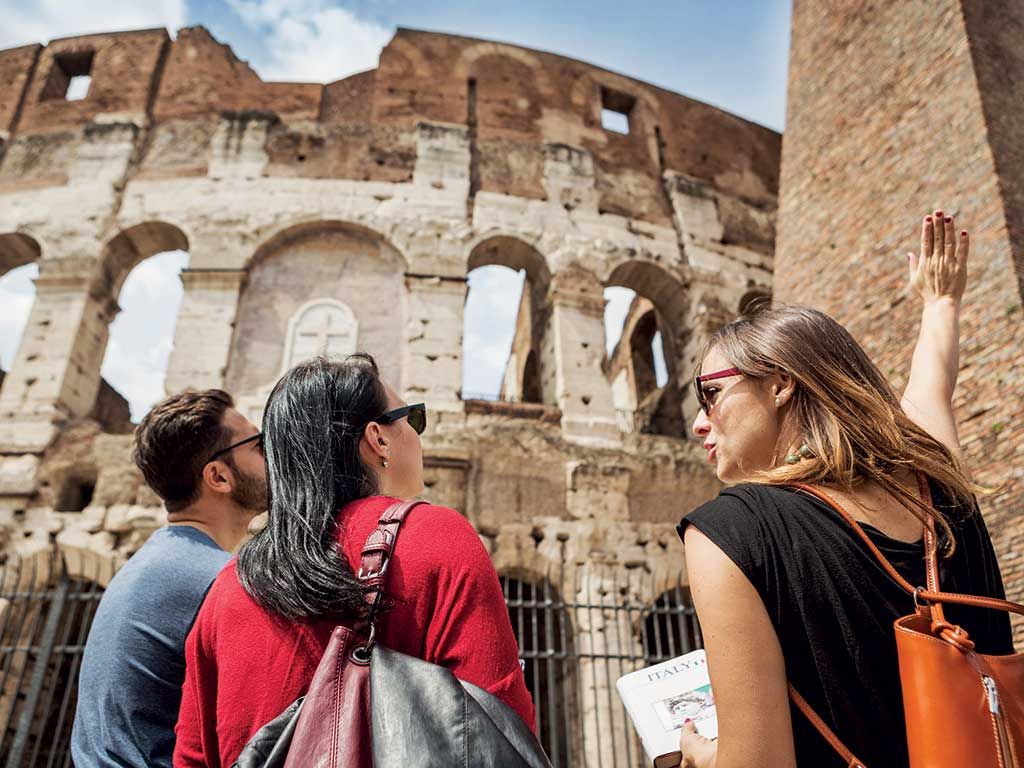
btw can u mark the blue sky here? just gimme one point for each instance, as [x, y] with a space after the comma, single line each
[730, 53]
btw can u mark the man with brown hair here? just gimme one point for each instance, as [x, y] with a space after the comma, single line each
[205, 460]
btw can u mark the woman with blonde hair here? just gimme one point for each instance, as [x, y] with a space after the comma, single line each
[783, 586]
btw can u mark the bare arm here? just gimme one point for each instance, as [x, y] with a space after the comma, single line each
[754, 725]
[938, 275]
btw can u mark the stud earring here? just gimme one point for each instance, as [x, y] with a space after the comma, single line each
[385, 463]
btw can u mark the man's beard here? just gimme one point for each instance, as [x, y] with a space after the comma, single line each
[249, 492]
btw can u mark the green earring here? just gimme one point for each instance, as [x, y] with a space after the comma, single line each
[803, 452]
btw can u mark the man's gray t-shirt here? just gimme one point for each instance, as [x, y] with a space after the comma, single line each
[129, 688]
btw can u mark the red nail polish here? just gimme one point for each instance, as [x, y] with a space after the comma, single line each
[963, 232]
[928, 219]
[938, 214]
[949, 219]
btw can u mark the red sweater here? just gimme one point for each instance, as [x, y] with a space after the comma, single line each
[245, 665]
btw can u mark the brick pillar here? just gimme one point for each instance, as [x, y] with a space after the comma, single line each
[432, 364]
[202, 336]
[56, 371]
[875, 139]
[575, 342]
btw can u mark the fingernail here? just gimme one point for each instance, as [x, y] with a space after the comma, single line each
[949, 219]
[928, 219]
[963, 232]
[938, 214]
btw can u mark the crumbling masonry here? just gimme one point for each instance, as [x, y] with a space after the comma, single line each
[346, 216]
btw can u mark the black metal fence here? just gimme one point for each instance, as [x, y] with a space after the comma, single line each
[45, 617]
[578, 633]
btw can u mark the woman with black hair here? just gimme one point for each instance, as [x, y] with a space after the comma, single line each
[341, 447]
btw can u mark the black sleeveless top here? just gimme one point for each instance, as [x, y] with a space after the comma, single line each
[833, 608]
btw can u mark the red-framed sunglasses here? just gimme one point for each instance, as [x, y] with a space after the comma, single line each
[705, 403]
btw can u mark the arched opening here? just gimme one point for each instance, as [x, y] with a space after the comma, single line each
[543, 630]
[45, 617]
[322, 287]
[643, 317]
[19, 256]
[503, 324]
[142, 334]
[670, 626]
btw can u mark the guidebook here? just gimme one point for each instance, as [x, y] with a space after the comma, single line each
[660, 699]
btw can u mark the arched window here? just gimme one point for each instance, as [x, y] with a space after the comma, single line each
[17, 292]
[504, 323]
[636, 364]
[142, 333]
[542, 628]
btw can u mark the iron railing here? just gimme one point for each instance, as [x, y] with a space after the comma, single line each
[45, 617]
[578, 633]
[578, 630]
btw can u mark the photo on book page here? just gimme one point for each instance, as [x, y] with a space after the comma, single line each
[697, 705]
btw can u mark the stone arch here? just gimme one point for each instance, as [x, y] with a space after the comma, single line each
[133, 245]
[16, 250]
[668, 296]
[464, 67]
[298, 230]
[351, 271]
[532, 314]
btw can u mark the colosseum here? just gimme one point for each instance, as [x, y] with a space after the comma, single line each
[329, 218]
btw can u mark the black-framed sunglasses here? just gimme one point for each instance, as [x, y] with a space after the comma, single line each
[416, 413]
[251, 438]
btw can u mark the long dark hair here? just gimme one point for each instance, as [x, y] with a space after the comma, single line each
[845, 410]
[312, 425]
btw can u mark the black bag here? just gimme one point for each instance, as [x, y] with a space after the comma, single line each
[371, 706]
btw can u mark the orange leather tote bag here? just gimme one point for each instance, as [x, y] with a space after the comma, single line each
[962, 708]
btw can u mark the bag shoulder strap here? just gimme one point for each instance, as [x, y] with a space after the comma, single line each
[376, 556]
[932, 594]
[851, 760]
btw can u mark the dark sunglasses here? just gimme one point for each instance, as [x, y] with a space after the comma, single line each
[258, 436]
[416, 413]
[706, 404]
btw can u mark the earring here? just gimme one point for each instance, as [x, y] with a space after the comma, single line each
[803, 452]
[385, 463]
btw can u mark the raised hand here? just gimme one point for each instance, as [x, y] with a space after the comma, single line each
[939, 271]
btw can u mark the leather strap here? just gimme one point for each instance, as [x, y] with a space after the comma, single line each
[932, 594]
[376, 557]
[954, 635]
[851, 760]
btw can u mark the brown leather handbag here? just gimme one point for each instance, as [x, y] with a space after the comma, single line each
[368, 705]
[962, 708]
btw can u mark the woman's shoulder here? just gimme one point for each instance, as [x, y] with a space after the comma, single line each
[751, 500]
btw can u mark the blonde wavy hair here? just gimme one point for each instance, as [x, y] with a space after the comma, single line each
[842, 408]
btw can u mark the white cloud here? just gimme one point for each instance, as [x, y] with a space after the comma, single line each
[616, 307]
[17, 292]
[142, 334]
[44, 20]
[312, 40]
[490, 325]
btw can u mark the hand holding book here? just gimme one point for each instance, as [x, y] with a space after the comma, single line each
[697, 751]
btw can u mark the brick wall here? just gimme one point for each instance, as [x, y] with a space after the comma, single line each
[895, 109]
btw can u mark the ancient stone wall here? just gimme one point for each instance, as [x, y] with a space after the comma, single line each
[348, 216]
[896, 109]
